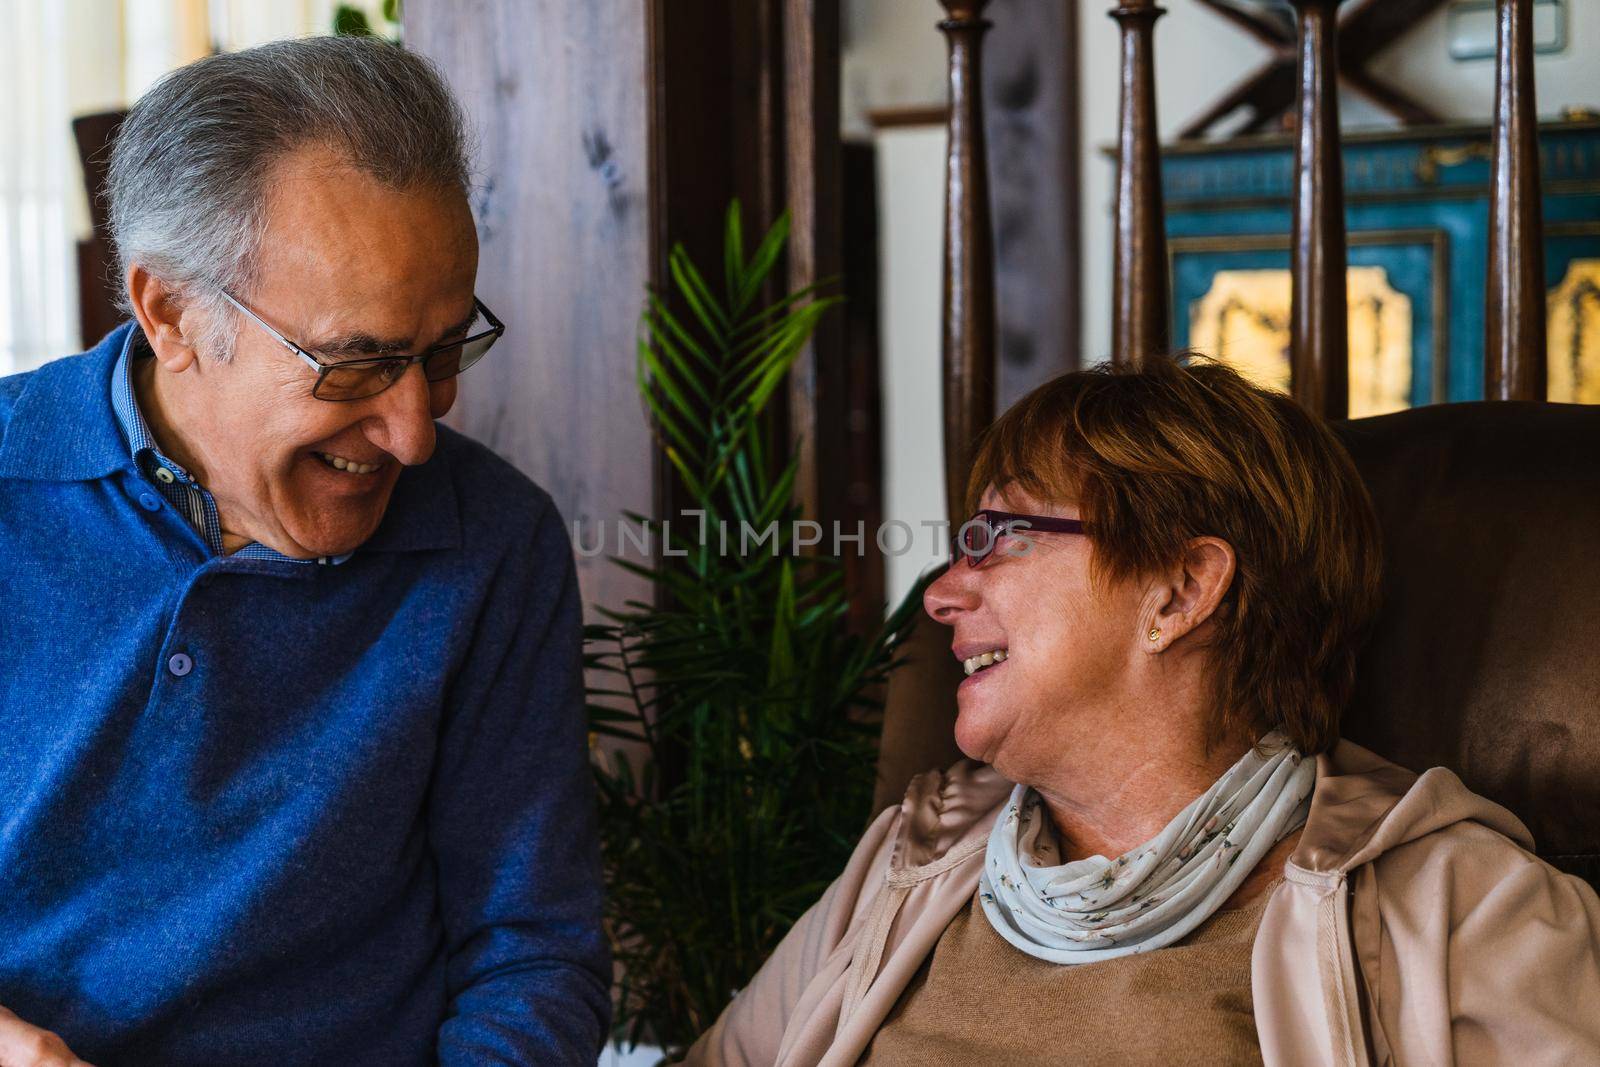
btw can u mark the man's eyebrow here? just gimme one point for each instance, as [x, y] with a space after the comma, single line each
[367, 344]
[364, 343]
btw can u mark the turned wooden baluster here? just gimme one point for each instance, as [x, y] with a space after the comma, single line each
[1139, 289]
[1319, 357]
[1514, 343]
[969, 318]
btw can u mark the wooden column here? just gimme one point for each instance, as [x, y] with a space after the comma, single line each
[1514, 345]
[1319, 345]
[716, 105]
[715, 132]
[969, 317]
[1140, 301]
[862, 420]
[814, 187]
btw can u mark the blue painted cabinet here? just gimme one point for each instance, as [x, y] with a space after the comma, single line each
[1417, 212]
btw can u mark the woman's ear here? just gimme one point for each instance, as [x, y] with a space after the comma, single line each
[160, 316]
[1188, 595]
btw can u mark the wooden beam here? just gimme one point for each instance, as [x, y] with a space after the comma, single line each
[1140, 298]
[1407, 108]
[890, 118]
[1266, 91]
[1514, 345]
[1319, 345]
[969, 313]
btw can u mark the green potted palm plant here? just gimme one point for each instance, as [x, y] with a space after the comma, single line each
[740, 712]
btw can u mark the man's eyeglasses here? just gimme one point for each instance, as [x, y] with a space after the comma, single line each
[978, 536]
[358, 379]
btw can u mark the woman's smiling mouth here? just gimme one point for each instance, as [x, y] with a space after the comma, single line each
[981, 657]
[973, 664]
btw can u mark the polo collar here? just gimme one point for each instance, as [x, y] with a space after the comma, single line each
[63, 428]
[125, 403]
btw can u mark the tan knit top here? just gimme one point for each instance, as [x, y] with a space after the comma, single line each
[978, 1000]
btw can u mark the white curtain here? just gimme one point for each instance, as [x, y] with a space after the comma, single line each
[61, 58]
[38, 257]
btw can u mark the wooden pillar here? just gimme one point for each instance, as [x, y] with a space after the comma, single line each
[716, 88]
[862, 420]
[1319, 345]
[1140, 300]
[814, 186]
[1514, 345]
[969, 315]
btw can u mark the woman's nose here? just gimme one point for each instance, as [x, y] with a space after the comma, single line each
[951, 593]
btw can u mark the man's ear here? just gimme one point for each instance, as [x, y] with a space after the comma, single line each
[160, 315]
[1183, 599]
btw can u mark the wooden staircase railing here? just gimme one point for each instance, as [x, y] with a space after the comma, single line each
[1514, 353]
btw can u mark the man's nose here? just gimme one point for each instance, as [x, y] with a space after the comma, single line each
[402, 418]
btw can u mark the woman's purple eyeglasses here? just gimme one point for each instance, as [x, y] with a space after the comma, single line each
[978, 536]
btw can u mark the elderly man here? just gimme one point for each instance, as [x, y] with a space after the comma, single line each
[294, 765]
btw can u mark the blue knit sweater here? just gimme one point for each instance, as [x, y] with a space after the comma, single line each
[259, 812]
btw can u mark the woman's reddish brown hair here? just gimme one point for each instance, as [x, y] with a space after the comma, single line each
[1157, 455]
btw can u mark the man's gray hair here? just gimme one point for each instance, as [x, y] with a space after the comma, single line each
[187, 186]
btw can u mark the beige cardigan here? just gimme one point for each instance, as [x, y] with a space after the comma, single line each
[1413, 926]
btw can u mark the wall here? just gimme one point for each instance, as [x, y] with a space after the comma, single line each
[893, 55]
[1198, 56]
[910, 237]
[555, 93]
[1464, 90]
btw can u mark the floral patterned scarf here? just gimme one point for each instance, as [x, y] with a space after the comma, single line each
[1098, 909]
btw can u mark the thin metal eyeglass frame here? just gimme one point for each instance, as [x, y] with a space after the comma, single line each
[496, 328]
[1000, 524]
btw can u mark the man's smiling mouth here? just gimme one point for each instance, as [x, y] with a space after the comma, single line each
[349, 466]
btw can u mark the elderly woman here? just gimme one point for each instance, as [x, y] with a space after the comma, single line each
[1160, 850]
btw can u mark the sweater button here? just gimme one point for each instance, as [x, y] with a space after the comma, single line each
[149, 501]
[180, 665]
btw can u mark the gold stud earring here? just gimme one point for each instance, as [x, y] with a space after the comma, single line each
[1155, 635]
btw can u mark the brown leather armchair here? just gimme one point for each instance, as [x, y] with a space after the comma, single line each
[1486, 655]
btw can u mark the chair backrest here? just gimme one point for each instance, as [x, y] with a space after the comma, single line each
[1486, 655]
[98, 284]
